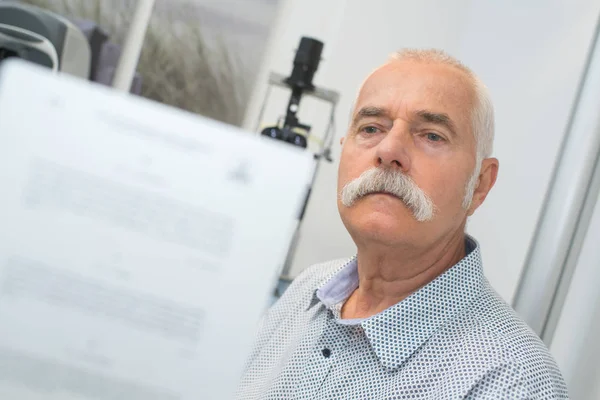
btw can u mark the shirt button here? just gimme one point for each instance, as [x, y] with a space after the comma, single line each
[326, 353]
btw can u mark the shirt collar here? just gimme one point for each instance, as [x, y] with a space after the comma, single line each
[411, 322]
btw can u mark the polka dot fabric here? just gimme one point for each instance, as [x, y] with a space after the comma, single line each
[453, 339]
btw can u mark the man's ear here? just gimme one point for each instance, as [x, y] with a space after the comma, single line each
[342, 140]
[487, 179]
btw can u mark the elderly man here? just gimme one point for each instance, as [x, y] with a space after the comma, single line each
[411, 316]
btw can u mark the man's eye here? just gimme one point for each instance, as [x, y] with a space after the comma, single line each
[370, 130]
[434, 137]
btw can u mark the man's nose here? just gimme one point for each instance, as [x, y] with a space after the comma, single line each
[394, 149]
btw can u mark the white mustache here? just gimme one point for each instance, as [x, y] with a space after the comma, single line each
[393, 182]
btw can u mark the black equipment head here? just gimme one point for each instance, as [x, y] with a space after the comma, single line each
[306, 62]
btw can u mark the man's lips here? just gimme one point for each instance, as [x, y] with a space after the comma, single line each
[383, 193]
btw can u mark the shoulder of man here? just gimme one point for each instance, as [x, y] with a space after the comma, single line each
[296, 299]
[301, 291]
[523, 364]
[300, 294]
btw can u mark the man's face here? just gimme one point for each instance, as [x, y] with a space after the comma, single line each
[415, 118]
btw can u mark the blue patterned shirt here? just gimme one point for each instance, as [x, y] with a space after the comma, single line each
[455, 338]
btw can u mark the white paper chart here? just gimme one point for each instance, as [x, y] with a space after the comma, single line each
[139, 244]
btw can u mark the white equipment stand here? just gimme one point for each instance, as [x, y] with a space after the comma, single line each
[324, 152]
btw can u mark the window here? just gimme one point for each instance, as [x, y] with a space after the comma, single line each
[198, 55]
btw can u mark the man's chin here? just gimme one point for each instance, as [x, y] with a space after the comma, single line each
[379, 217]
[380, 232]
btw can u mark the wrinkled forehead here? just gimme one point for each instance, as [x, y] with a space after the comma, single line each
[403, 87]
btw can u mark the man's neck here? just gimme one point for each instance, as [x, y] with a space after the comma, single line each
[388, 277]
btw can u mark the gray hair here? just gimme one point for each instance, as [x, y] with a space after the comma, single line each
[482, 113]
[394, 182]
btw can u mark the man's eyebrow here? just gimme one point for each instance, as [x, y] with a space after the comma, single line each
[369, 111]
[437, 118]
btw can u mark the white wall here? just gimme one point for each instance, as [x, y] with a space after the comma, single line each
[530, 54]
[575, 343]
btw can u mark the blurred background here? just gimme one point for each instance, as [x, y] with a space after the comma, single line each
[198, 55]
[539, 229]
